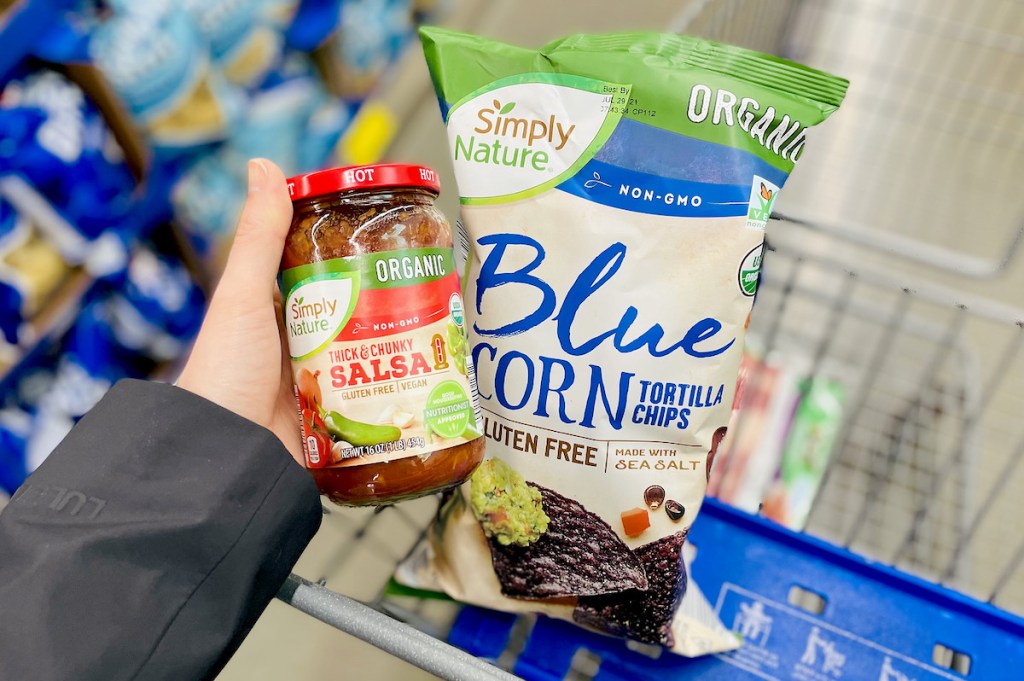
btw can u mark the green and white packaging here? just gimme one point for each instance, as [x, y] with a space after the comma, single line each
[615, 191]
[808, 450]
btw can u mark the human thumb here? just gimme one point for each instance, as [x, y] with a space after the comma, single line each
[259, 240]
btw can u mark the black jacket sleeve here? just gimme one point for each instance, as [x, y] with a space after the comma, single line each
[148, 543]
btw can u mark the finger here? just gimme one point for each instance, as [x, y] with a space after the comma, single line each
[259, 240]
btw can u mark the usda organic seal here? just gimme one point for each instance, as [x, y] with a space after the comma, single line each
[750, 270]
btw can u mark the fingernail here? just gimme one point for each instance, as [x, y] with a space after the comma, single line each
[257, 174]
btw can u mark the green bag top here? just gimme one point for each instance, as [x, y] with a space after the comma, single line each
[736, 96]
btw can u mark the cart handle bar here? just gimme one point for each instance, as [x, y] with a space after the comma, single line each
[386, 633]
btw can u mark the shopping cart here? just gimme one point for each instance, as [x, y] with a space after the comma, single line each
[896, 276]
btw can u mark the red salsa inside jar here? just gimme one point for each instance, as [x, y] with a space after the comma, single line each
[376, 333]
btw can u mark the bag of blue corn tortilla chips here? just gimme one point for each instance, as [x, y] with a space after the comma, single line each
[615, 191]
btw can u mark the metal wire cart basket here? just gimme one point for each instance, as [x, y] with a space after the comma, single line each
[895, 280]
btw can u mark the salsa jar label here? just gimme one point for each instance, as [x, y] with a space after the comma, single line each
[379, 356]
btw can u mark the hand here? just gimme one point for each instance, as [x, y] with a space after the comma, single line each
[239, 359]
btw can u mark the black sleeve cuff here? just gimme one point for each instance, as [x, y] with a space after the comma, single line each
[148, 543]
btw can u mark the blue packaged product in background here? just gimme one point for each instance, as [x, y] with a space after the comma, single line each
[369, 36]
[11, 298]
[126, 328]
[15, 427]
[207, 200]
[279, 14]
[158, 308]
[292, 121]
[49, 394]
[63, 388]
[155, 57]
[9, 355]
[31, 270]
[245, 38]
[92, 361]
[59, 142]
[58, 397]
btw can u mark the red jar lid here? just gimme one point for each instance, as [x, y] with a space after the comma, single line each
[362, 178]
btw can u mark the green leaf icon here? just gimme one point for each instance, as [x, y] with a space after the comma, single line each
[299, 301]
[508, 107]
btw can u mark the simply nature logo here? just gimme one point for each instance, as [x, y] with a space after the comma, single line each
[312, 317]
[526, 134]
[762, 199]
[503, 139]
[317, 310]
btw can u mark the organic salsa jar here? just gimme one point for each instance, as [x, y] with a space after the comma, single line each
[377, 338]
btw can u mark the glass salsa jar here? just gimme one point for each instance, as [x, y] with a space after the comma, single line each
[376, 333]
